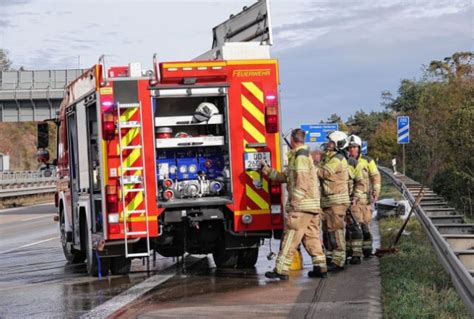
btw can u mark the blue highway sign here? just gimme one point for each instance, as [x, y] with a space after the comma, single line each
[364, 149]
[403, 129]
[317, 133]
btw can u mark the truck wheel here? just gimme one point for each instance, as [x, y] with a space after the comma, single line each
[120, 266]
[225, 258]
[92, 261]
[73, 256]
[247, 258]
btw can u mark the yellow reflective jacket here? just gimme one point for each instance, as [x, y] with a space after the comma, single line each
[366, 179]
[302, 182]
[335, 179]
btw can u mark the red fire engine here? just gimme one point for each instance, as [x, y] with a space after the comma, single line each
[167, 160]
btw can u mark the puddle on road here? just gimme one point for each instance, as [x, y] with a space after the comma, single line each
[38, 282]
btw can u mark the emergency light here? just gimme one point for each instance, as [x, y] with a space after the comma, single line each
[108, 126]
[271, 113]
[111, 199]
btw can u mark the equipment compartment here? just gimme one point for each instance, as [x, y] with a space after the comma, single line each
[193, 156]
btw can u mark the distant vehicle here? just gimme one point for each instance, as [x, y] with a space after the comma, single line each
[168, 160]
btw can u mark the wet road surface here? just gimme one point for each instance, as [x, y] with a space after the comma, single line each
[36, 282]
[35, 279]
[205, 292]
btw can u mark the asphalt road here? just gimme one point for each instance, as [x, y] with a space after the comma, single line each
[35, 279]
[36, 282]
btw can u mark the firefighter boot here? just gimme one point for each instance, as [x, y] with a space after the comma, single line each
[332, 267]
[275, 275]
[355, 260]
[317, 272]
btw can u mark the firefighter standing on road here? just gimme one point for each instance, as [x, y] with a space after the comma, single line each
[303, 207]
[354, 234]
[334, 175]
[366, 191]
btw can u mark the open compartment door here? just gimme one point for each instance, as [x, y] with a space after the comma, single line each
[247, 33]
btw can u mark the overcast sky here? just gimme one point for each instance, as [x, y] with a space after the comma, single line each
[335, 56]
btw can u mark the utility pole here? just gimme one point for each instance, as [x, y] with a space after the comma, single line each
[403, 147]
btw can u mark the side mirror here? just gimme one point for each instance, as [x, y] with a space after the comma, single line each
[43, 136]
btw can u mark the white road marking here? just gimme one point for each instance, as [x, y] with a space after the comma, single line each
[36, 217]
[27, 245]
[109, 307]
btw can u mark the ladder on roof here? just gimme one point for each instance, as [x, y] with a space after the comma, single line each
[132, 177]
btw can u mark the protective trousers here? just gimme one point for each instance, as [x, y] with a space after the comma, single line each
[363, 214]
[334, 227]
[354, 233]
[301, 226]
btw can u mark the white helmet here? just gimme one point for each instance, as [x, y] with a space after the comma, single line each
[354, 140]
[339, 139]
[204, 112]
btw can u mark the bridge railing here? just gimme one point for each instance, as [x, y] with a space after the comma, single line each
[27, 183]
[37, 80]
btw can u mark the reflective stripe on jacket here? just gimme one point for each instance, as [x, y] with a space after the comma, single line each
[302, 182]
[366, 178]
[334, 176]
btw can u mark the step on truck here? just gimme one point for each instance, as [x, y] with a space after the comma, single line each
[167, 159]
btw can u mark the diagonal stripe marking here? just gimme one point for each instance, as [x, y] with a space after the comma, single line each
[131, 158]
[405, 128]
[255, 90]
[253, 131]
[261, 203]
[128, 138]
[403, 136]
[256, 176]
[128, 114]
[135, 202]
[257, 113]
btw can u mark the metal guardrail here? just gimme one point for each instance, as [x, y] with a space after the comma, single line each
[450, 235]
[15, 184]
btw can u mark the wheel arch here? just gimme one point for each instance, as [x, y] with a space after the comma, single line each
[65, 211]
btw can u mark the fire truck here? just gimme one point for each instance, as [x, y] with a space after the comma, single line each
[168, 159]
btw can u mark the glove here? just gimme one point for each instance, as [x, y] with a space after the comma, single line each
[266, 170]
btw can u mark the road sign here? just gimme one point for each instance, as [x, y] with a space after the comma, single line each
[364, 149]
[403, 129]
[317, 133]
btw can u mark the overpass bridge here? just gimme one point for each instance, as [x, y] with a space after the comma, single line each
[32, 95]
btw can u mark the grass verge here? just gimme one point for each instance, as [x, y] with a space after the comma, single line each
[414, 284]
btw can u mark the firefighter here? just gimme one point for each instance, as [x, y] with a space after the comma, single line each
[354, 233]
[366, 191]
[334, 176]
[303, 207]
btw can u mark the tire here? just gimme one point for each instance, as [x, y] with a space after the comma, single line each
[225, 258]
[247, 258]
[92, 262]
[120, 265]
[73, 256]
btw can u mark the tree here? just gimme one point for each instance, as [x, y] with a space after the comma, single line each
[364, 124]
[5, 63]
[334, 118]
